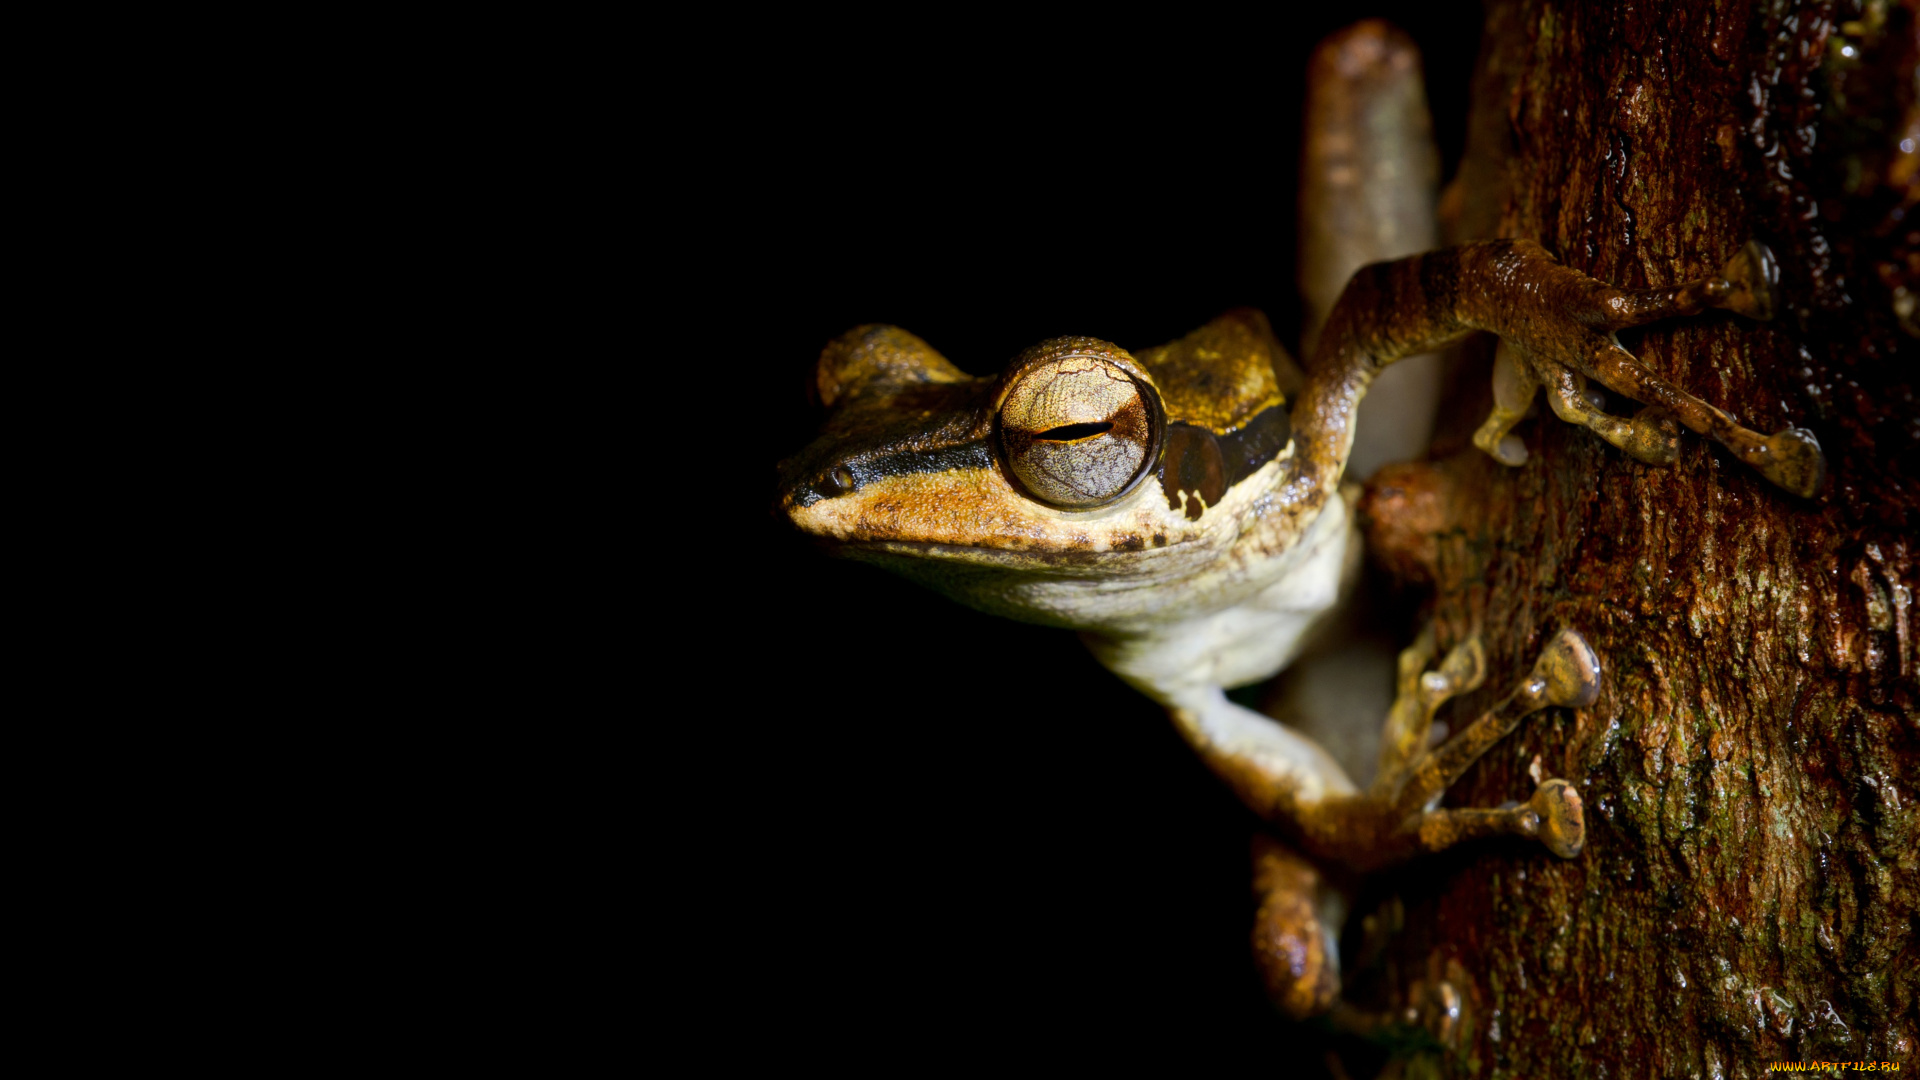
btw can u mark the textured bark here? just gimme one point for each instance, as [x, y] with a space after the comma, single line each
[1751, 769]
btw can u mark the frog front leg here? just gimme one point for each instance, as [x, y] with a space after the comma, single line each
[1400, 813]
[1291, 782]
[1558, 325]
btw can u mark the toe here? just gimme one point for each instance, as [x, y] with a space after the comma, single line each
[1563, 826]
[1655, 437]
[1794, 462]
[1754, 275]
[1570, 669]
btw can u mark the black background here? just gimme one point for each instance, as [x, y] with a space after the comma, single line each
[896, 815]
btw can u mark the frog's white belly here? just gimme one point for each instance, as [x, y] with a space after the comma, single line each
[1250, 640]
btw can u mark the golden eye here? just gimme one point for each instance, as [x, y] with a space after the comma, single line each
[1079, 432]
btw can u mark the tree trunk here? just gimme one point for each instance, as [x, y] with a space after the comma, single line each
[1751, 770]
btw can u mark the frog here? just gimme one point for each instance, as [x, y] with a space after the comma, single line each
[1188, 510]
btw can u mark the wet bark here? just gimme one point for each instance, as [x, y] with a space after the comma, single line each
[1751, 770]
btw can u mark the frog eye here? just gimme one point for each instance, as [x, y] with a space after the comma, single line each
[1079, 432]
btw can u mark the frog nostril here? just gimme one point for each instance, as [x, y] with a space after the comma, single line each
[1072, 432]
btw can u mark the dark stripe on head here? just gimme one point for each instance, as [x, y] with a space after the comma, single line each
[1206, 465]
[974, 454]
[1247, 450]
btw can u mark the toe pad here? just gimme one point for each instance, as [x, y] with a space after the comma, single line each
[1794, 462]
[1563, 825]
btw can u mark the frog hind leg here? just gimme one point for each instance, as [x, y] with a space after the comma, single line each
[1789, 458]
[1433, 1006]
[1367, 177]
[1514, 385]
[1295, 930]
[1558, 323]
[1650, 436]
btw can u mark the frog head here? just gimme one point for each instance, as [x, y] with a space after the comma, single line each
[1079, 462]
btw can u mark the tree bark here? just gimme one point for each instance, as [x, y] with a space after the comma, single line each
[1751, 770]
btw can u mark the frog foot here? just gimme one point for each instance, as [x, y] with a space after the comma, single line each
[1566, 674]
[1577, 342]
[1419, 695]
[1434, 1007]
